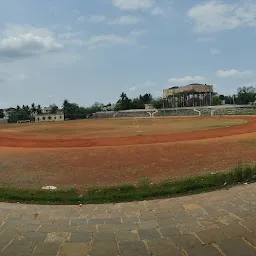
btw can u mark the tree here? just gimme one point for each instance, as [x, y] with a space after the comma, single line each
[1, 113]
[54, 109]
[245, 95]
[158, 102]
[216, 100]
[39, 109]
[20, 114]
[137, 103]
[33, 108]
[123, 103]
[222, 97]
[71, 110]
[146, 98]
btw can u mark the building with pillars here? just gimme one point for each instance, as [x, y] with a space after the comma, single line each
[191, 95]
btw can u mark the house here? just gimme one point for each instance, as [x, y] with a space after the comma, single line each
[49, 117]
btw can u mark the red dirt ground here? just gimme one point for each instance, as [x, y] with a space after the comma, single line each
[27, 162]
[13, 140]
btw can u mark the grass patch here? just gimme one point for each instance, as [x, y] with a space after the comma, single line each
[144, 189]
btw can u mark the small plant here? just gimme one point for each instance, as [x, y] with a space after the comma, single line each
[129, 192]
[144, 182]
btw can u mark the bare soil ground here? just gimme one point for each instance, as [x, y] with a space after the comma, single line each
[165, 149]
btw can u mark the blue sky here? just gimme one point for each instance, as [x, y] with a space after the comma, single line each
[92, 50]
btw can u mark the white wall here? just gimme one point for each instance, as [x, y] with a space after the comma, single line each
[49, 118]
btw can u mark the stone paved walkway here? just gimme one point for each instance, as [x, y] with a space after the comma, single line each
[216, 223]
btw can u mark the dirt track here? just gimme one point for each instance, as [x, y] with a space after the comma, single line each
[31, 162]
[10, 140]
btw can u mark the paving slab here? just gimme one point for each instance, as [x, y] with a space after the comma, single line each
[237, 247]
[215, 223]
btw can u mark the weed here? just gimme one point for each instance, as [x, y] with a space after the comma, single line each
[129, 192]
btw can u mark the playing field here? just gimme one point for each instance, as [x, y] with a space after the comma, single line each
[113, 151]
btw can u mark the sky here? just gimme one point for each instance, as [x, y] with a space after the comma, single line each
[93, 50]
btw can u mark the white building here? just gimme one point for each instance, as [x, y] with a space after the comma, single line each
[49, 118]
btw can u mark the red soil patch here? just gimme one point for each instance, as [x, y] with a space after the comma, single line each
[24, 164]
[10, 140]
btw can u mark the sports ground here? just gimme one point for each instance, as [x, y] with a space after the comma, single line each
[114, 151]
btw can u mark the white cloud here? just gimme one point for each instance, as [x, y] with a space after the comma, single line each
[69, 35]
[104, 40]
[205, 39]
[19, 41]
[216, 15]
[138, 87]
[81, 18]
[214, 51]
[232, 73]
[92, 19]
[107, 39]
[97, 18]
[133, 5]
[132, 89]
[12, 77]
[137, 32]
[157, 11]
[185, 80]
[126, 20]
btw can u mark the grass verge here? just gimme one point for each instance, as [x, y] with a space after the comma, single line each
[129, 192]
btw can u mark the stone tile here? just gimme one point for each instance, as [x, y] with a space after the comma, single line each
[147, 217]
[55, 237]
[163, 247]
[132, 219]
[87, 228]
[107, 227]
[229, 219]
[186, 241]
[74, 249]
[195, 210]
[182, 216]
[97, 221]
[79, 222]
[46, 249]
[234, 230]
[148, 234]
[209, 222]
[104, 249]
[127, 226]
[134, 248]
[250, 237]
[208, 250]
[27, 227]
[49, 228]
[163, 223]
[236, 247]
[147, 224]
[122, 236]
[36, 237]
[20, 248]
[116, 220]
[211, 235]
[68, 228]
[80, 237]
[103, 236]
[169, 231]
[188, 228]
[250, 224]
[6, 237]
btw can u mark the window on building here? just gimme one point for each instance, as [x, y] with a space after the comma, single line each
[49, 117]
[60, 117]
[43, 117]
[38, 119]
[55, 117]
